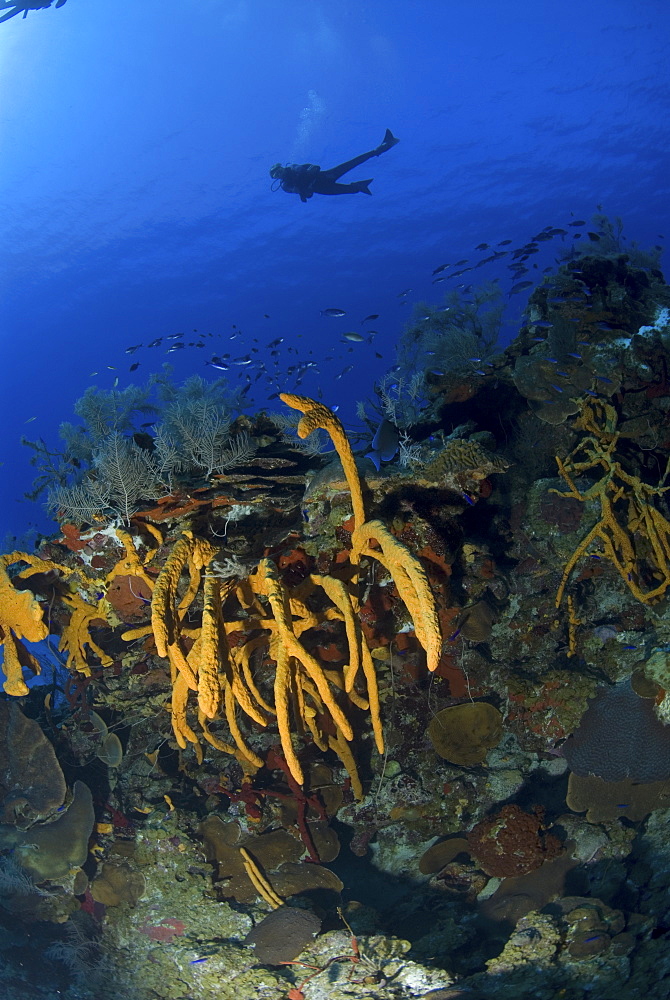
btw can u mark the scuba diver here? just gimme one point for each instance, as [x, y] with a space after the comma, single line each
[14, 7]
[307, 179]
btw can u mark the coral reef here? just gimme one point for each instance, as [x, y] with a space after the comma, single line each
[292, 727]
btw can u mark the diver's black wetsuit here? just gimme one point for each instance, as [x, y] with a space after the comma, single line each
[307, 179]
[23, 6]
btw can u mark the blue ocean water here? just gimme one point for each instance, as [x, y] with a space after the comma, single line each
[137, 204]
[141, 227]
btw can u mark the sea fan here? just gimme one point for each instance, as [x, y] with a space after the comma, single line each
[124, 477]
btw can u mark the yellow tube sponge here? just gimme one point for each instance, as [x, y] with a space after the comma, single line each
[271, 586]
[410, 580]
[163, 618]
[259, 881]
[316, 415]
[210, 689]
[633, 533]
[76, 635]
[20, 617]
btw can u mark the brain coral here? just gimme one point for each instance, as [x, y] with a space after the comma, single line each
[620, 736]
[463, 734]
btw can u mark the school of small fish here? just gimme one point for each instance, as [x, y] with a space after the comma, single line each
[271, 366]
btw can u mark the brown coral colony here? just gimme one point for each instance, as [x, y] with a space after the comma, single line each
[512, 842]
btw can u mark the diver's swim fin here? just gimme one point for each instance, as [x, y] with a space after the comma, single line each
[388, 141]
[363, 186]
